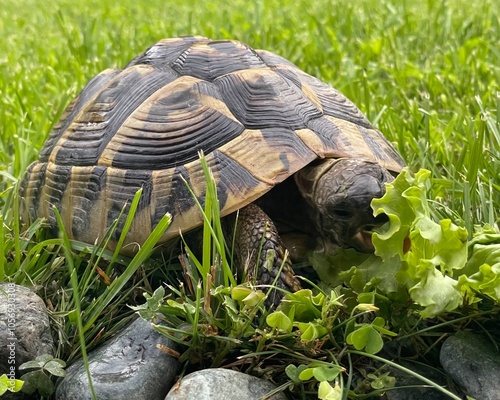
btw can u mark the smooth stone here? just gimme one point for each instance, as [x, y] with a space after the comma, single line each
[129, 366]
[473, 363]
[222, 384]
[414, 393]
[24, 327]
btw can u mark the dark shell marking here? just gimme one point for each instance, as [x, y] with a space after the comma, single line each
[255, 115]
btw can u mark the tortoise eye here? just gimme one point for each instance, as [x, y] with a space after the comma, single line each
[340, 213]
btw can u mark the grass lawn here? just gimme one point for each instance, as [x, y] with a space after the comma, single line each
[426, 73]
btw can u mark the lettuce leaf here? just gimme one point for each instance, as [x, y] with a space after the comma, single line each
[432, 261]
[482, 271]
[426, 267]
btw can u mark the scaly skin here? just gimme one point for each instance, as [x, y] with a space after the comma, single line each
[261, 253]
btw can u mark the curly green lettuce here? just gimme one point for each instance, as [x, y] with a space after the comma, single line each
[432, 261]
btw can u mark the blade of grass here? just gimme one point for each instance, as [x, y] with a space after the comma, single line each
[211, 194]
[206, 259]
[117, 285]
[128, 222]
[76, 297]
[409, 372]
[2, 249]
[215, 231]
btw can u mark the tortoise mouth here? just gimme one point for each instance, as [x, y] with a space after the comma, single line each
[362, 241]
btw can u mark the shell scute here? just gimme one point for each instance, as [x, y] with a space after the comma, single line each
[112, 106]
[166, 51]
[214, 59]
[260, 98]
[177, 122]
[92, 88]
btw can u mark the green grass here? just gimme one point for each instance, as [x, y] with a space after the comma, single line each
[427, 73]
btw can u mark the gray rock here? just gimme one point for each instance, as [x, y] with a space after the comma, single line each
[129, 366]
[24, 327]
[221, 384]
[414, 393]
[473, 363]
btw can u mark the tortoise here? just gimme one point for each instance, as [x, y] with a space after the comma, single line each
[283, 147]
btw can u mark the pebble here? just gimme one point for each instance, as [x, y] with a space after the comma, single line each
[222, 384]
[128, 366]
[473, 363]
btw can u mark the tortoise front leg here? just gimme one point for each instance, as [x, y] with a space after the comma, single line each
[260, 252]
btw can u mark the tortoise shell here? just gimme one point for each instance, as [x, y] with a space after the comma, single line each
[256, 116]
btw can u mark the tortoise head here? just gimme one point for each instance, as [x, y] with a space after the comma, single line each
[339, 192]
